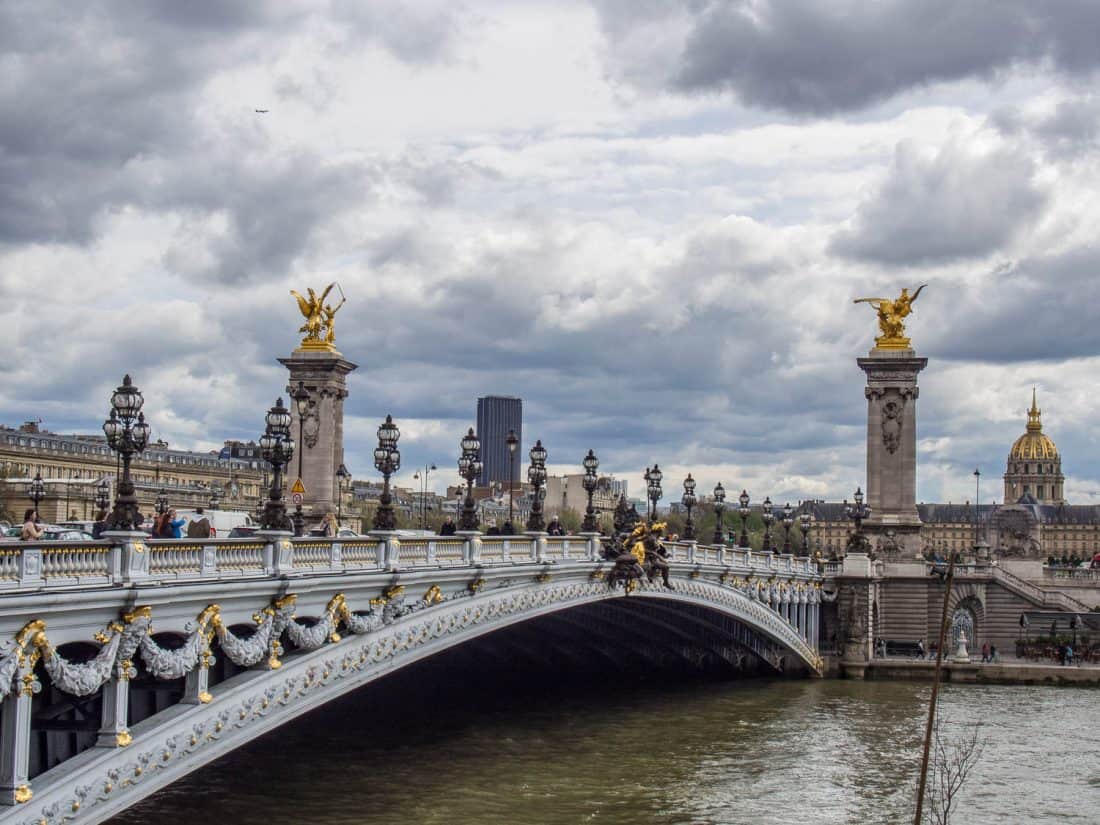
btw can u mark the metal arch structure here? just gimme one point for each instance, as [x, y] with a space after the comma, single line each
[347, 613]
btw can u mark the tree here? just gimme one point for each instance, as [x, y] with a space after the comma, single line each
[569, 519]
[953, 759]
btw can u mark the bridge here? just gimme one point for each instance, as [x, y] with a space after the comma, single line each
[130, 663]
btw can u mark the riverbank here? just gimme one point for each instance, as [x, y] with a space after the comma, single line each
[1010, 672]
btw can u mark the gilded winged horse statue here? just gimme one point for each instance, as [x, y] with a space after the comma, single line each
[320, 325]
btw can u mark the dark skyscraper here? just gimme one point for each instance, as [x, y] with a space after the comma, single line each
[496, 415]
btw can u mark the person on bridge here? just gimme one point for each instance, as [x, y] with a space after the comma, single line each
[170, 527]
[31, 530]
[100, 524]
[199, 527]
[448, 528]
[554, 528]
[328, 527]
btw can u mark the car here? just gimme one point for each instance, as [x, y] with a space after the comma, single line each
[243, 532]
[12, 532]
[56, 533]
[83, 525]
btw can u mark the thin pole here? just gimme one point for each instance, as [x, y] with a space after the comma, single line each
[935, 692]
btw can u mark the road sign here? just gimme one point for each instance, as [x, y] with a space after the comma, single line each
[297, 498]
[298, 488]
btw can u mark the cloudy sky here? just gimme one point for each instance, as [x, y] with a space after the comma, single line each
[647, 218]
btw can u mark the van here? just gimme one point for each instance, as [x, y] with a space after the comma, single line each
[221, 521]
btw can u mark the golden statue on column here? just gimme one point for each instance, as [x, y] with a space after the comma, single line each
[891, 316]
[320, 325]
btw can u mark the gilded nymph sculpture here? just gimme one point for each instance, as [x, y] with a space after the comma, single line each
[320, 325]
[891, 316]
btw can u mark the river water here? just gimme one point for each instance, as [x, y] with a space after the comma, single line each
[432, 748]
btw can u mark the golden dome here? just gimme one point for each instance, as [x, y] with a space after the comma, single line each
[1033, 444]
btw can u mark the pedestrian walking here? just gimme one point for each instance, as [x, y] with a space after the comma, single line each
[992, 653]
[985, 652]
[920, 648]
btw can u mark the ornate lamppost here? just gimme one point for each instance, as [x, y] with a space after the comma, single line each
[512, 440]
[744, 511]
[788, 523]
[160, 505]
[469, 467]
[277, 449]
[387, 460]
[768, 517]
[804, 519]
[689, 501]
[719, 509]
[536, 476]
[36, 491]
[343, 482]
[653, 488]
[300, 396]
[857, 513]
[102, 496]
[591, 463]
[128, 435]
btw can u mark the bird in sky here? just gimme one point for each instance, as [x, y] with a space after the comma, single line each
[262, 111]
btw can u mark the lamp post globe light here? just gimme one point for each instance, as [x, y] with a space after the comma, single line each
[102, 496]
[788, 523]
[744, 511]
[719, 509]
[591, 464]
[128, 435]
[653, 487]
[277, 449]
[387, 460]
[428, 468]
[36, 491]
[300, 396]
[857, 512]
[512, 440]
[469, 467]
[768, 517]
[343, 482]
[160, 505]
[689, 501]
[804, 519]
[536, 476]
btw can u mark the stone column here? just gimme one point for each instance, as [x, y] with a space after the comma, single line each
[321, 445]
[15, 746]
[894, 526]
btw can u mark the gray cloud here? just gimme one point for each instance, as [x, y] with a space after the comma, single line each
[814, 57]
[953, 205]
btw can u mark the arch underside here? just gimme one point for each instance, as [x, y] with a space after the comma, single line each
[573, 624]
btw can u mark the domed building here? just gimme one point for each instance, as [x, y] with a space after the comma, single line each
[1034, 465]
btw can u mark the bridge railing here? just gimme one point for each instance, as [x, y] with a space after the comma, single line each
[124, 558]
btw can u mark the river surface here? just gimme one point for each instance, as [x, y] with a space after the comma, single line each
[425, 750]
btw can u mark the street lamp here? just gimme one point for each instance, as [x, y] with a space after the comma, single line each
[102, 496]
[768, 517]
[300, 395]
[804, 519]
[36, 491]
[424, 493]
[536, 476]
[744, 511]
[512, 440]
[387, 460]
[215, 497]
[653, 488]
[689, 500]
[719, 509]
[127, 435]
[857, 513]
[977, 506]
[161, 503]
[788, 523]
[469, 467]
[343, 482]
[277, 449]
[591, 463]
